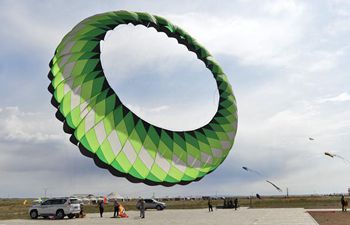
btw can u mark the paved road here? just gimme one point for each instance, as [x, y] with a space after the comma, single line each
[242, 216]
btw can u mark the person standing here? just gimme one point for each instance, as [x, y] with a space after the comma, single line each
[116, 208]
[230, 204]
[82, 213]
[236, 203]
[142, 209]
[346, 205]
[210, 206]
[342, 201]
[101, 207]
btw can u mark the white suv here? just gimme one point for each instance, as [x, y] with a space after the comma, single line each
[58, 207]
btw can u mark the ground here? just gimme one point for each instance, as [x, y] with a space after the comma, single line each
[268, 210]
[331, 217]
[14, 208]
[243, 216]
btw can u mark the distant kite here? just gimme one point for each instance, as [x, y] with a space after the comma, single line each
[106, 130]
[332, 155]
[329, 154]
[311, 139]
[279, 189]
[253, 171]
[260, 174]
[258, 196]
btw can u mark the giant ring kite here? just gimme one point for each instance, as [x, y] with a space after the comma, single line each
[116, 138]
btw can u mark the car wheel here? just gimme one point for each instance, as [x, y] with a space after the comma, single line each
[71, 216]
[158, 207]
[34, 214]
[60, 214]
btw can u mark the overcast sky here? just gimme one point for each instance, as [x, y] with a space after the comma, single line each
[288, 63]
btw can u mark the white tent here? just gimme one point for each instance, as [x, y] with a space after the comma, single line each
[115, 196]
[86, 198]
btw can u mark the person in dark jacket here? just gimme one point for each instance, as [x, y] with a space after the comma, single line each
[236, 203]
[210, 206]
[142, 208]
[116, 208]
[101, 207]
[342, 201]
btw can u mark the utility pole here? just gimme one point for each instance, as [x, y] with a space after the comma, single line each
[250, 201]
[45, 191]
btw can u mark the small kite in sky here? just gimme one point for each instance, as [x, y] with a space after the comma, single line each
[332, 155]
[252, 171]
[311, 139]
[329, 154]
[279, 189]
[260, 174]
[258, 196]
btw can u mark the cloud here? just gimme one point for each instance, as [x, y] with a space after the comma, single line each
[283, 7]
[160, 108]
[18, 126]
[178, 117]
[252, 40]
[267, 38]
[343, 97]
[145, 49]
[27, 30]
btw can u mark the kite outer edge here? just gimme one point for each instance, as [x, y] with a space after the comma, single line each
[117, 139]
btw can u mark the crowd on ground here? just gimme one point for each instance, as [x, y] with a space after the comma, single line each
[119, 210]
[228, 204]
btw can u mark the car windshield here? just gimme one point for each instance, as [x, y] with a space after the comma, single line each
[74, 201]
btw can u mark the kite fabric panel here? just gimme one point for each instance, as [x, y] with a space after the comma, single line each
[117, 139]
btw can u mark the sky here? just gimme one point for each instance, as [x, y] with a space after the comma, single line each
[288, 63]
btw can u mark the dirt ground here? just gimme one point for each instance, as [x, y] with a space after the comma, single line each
[331, 217]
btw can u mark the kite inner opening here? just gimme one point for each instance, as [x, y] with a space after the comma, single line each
[158, 79]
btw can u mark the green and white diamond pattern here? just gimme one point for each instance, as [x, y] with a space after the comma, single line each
[114, 136]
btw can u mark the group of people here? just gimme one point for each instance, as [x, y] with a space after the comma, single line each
[119, 210]
[227, 204]
[231, 204]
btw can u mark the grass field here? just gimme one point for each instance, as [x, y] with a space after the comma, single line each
[14, 208]
[311, 202]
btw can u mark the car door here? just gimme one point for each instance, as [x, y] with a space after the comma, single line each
[45, 207]
[57, 204]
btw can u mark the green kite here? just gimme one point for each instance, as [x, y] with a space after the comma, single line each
[116, 138]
